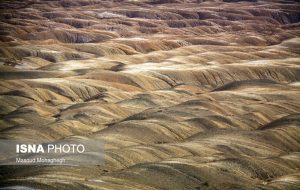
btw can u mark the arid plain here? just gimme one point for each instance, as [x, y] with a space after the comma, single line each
[186, 95]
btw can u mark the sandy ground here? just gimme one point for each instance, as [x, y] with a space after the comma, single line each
[185, 94]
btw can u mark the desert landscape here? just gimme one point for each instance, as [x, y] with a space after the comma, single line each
[185, 95]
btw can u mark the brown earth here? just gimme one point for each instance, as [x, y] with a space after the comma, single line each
[185, 94]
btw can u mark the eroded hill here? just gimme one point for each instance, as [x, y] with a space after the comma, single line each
[185, 94]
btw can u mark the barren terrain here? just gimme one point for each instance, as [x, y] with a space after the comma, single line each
[186, 95]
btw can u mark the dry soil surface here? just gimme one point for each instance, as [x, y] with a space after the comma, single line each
[186, 95]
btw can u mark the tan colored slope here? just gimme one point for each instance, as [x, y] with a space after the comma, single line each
[184, 95]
